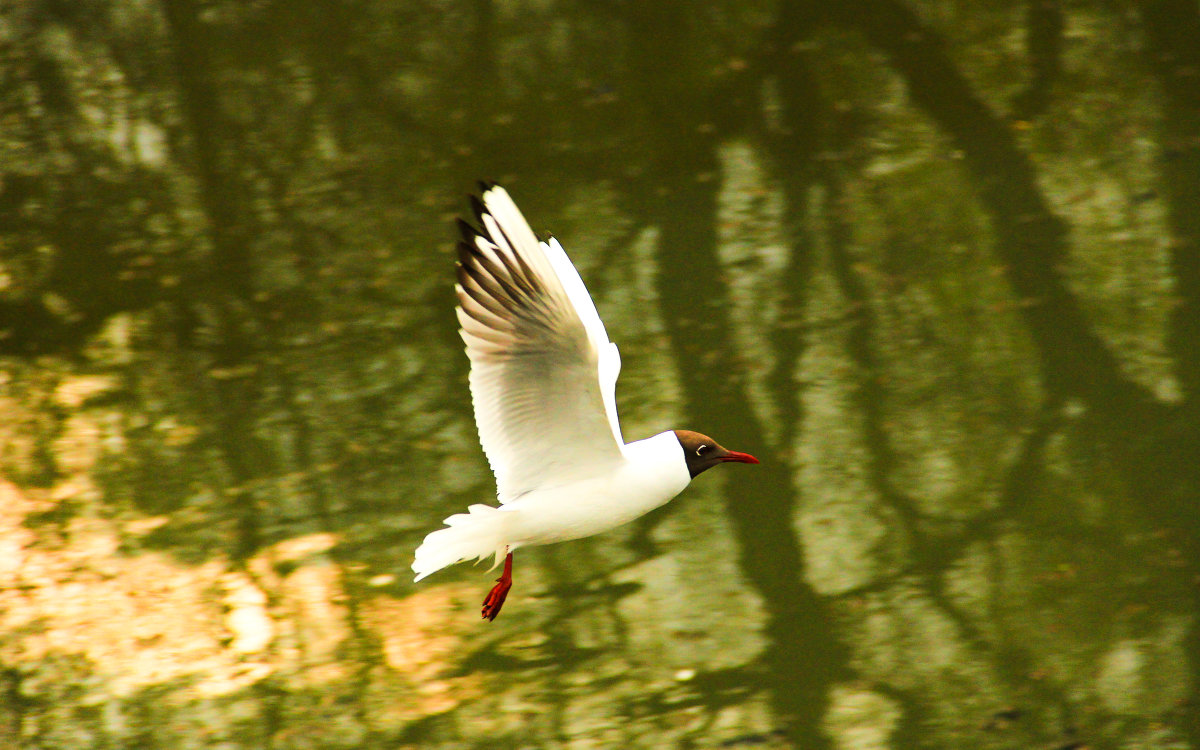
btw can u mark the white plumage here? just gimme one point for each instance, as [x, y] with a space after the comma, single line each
[543, 385]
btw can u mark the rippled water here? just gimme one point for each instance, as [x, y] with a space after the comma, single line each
[934, 265]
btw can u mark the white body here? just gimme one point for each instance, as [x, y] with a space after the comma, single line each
[543, 385]
[651, 474]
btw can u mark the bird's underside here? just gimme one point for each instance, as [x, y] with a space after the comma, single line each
[543, 386]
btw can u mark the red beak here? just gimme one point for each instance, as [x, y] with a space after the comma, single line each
[742, 458]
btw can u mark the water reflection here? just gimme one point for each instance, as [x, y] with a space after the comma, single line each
[934, 269]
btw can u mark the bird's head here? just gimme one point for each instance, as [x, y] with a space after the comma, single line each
[702, 452]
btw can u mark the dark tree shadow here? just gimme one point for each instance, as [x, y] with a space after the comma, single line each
[1156, 446]
[803, 656]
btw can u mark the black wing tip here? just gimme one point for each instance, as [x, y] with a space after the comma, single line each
[465, 252]
[466, 231]
[478, 208]
[465, 228]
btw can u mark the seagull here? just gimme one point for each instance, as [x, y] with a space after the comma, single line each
[543, 385]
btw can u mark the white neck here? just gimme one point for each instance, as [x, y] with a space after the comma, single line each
[653, 471]
[660, 466]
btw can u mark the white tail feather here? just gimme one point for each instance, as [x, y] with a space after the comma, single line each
[476, 534]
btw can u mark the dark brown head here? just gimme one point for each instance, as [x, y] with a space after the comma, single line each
[702, 452]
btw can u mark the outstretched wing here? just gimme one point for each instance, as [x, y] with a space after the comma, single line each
[543, 372]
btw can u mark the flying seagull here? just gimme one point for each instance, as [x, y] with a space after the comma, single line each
[543, 382]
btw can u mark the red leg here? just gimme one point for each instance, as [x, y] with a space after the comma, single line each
[495, 598]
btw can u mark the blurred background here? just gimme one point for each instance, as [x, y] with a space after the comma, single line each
[936, 263]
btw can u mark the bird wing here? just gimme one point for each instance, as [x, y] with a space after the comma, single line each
[543, 372]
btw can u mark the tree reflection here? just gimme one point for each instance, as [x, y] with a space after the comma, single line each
[963, 339]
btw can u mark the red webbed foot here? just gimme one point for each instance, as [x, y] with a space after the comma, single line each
[495, 598]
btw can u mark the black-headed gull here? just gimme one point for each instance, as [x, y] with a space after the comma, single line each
[543, 382]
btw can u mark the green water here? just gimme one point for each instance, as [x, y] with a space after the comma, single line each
[935, 265]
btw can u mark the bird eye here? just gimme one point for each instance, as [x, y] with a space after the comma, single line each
[702, 450]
